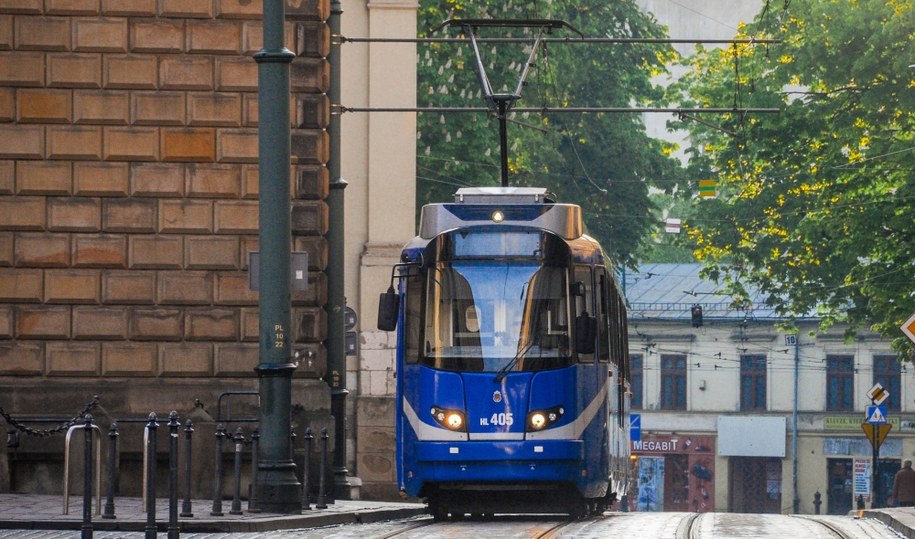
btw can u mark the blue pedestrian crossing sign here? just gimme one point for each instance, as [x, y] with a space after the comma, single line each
[876, 415]
[635, 427]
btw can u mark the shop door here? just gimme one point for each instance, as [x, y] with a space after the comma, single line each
[651, 484]
[676, 483]
[755, 485]
[887, 469]
[839, 495]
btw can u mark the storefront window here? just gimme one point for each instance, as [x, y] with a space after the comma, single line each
[673, 382]
[752, 382]
[840, 379]
[887, 373]
[636, 380]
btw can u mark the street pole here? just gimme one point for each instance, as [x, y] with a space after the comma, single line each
[276, 486]
[336, 274]
[875, 477]
[796, 502]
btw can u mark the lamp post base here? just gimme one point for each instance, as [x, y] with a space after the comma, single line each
[278, 490]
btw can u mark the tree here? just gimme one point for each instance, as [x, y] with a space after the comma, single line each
[815, 203]
[604, 162]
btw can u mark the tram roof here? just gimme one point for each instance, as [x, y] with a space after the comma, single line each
[503, 195]
[502, 206]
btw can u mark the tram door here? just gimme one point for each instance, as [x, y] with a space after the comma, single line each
[755, 485]
[839, 495]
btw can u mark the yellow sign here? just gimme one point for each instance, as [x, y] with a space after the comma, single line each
[707, 188]
[908, 327]
[876, 433]
[878, 394]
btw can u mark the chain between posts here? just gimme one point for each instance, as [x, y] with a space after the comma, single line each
[21, 427]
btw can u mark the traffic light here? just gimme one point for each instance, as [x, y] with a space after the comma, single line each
[696, 313]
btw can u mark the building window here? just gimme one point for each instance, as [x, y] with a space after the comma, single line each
[752, 382]
[840, 380]
[673, 382]
[888, 373]
[635, 378]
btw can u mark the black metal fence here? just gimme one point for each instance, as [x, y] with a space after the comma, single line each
[242, 444]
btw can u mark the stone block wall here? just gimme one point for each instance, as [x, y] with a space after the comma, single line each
[128, 202]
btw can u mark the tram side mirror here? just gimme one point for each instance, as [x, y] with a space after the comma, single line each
[585, 332]
[388, 307]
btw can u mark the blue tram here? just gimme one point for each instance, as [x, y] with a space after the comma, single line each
[512, 359]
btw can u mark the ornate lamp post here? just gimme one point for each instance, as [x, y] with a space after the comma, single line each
[276, 487]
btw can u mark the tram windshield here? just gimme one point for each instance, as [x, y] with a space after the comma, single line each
[497, 303]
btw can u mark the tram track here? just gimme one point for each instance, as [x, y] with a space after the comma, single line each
[641, 526]
[406, 529]
[687, 528]
[496, 527]
[835, 529]
[553, 531]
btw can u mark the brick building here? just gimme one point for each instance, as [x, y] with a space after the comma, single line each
[128, 207]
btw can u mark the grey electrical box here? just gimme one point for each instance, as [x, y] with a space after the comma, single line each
[298, 276]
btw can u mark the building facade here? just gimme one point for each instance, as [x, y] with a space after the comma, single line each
[128, 209]
[738, 415]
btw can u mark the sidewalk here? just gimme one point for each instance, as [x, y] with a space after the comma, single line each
[41, 512]
[901, 519]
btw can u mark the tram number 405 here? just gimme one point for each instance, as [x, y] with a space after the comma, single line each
[502, 420]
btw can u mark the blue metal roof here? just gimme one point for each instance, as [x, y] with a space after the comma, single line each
[669, 291]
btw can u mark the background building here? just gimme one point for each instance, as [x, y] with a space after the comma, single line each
[718, 401]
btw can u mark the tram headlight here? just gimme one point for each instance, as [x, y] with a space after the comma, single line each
[541, 419]
[497, 216]
[450, 419]
[537, 420]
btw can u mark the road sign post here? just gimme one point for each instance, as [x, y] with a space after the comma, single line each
[876, 428]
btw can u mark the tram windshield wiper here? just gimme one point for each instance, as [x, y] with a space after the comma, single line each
[511, 364]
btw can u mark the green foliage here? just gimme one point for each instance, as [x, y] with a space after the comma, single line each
[603, 161]
[815, 203]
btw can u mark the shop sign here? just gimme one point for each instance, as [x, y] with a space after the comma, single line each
[851, 422]
[862, 481]
[661, 445]
[656, 446]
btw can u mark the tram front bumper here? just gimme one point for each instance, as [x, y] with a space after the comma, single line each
[494, 451]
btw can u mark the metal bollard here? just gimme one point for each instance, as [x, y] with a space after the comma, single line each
[239, 448]
[217, 490]
[112, 462]
[322, 485]
[306, 495]
[817, 502]
[186, 510]
[86, 530]
[173, 426]
[151, 427]
[252, 496]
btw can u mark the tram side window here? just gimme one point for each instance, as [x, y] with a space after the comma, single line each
[604, 318]
[617, 325]
[623, 337]
[584, 303]
[412, 327]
